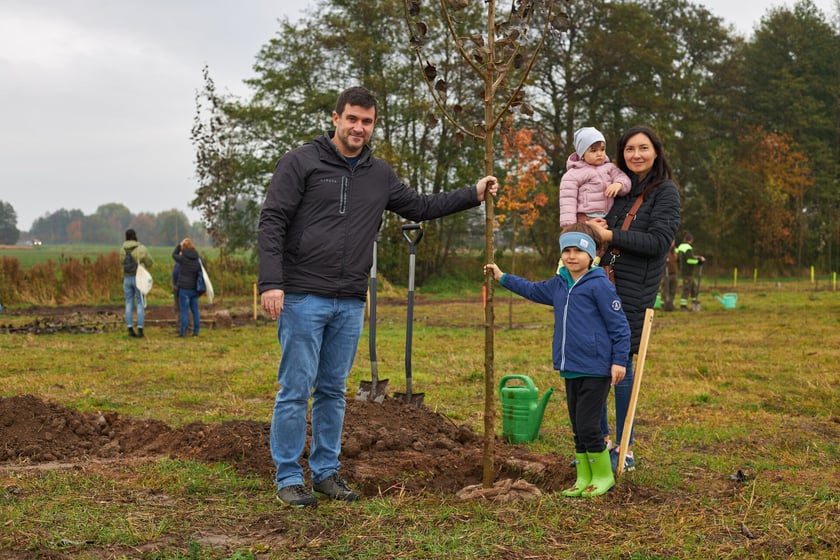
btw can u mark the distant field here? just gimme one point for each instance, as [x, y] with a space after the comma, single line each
[29, 255]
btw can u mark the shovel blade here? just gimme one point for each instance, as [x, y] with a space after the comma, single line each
[368, 391]
[414, 399]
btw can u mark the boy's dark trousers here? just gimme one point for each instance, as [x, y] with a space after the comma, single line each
[585, 398]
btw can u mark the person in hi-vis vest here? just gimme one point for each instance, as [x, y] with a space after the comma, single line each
[689, 266]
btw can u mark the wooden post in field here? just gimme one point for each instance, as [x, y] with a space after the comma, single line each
[255, 301]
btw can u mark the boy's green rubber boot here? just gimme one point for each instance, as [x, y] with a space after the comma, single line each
[602, 475]
[584, 475]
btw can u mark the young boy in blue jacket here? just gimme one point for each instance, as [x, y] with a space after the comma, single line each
[590, 347]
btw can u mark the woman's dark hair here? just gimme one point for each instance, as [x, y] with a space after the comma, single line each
[130, 235]
[661, 169]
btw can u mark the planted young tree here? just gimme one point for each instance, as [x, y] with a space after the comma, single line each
[520, 202]
[501, 55]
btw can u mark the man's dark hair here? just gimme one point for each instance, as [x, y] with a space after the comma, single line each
[130, 235]
[358, 96]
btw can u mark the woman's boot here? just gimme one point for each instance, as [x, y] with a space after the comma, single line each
[602, 475]
[584, 475]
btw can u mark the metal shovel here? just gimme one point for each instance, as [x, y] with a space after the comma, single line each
[695, 305]
[375, 389]
[412, 233]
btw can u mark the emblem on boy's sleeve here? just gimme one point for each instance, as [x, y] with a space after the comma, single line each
[616, 304]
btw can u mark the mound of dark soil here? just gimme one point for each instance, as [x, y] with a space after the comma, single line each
[387, 447]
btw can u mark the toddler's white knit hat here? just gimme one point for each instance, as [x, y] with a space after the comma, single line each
[585, 137]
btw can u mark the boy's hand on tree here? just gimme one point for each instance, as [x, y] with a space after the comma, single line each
[494, 270]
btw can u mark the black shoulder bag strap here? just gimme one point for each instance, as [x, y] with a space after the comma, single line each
[625, 225]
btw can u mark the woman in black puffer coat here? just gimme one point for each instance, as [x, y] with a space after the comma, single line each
[643, 247]
[190, 267]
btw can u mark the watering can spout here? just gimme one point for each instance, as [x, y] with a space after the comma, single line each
[720, 299]
[539, 411]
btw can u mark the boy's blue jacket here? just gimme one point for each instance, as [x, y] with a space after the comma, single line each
[590, 329]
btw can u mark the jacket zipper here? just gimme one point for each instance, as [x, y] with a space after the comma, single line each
[342, 210]
[342, 203]
[563, 338]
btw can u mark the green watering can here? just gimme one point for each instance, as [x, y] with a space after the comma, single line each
[728, 300]
[522, 408]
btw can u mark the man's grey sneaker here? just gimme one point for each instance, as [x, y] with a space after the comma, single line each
[336, 488]
[296, 495]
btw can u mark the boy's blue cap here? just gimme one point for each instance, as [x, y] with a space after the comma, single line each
[579, 240]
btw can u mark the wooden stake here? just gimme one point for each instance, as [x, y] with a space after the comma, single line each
[634, 395]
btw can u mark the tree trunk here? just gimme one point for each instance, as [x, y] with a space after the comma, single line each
[512, 267]
[489, 255]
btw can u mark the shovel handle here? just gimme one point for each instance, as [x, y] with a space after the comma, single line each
[415, 237]
[412, 233]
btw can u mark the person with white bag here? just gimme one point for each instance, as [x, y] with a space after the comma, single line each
[134, 255]
[186, 255]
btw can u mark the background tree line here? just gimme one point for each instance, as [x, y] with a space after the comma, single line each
[106, 225]
[752, 127]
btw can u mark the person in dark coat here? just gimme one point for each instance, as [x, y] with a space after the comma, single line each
[189, 268]
[321, 214]
[643, 248]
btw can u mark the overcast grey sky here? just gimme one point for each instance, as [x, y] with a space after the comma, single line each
[97, 97]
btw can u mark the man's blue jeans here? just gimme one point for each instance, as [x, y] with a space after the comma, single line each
[622, 403]
[133, 300]
[318, 340]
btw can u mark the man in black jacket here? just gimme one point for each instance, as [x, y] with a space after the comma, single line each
[318, 222]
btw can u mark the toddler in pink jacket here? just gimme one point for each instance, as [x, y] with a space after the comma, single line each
[591, 181]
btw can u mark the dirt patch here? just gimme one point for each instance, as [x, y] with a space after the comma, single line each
[387, 447]
[84, 319]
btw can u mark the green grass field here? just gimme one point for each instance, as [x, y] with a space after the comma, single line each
[755, 389]
[29, 255]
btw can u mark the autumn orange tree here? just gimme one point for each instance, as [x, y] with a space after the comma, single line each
[780, 177]
[500, 47]
[526, 164]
